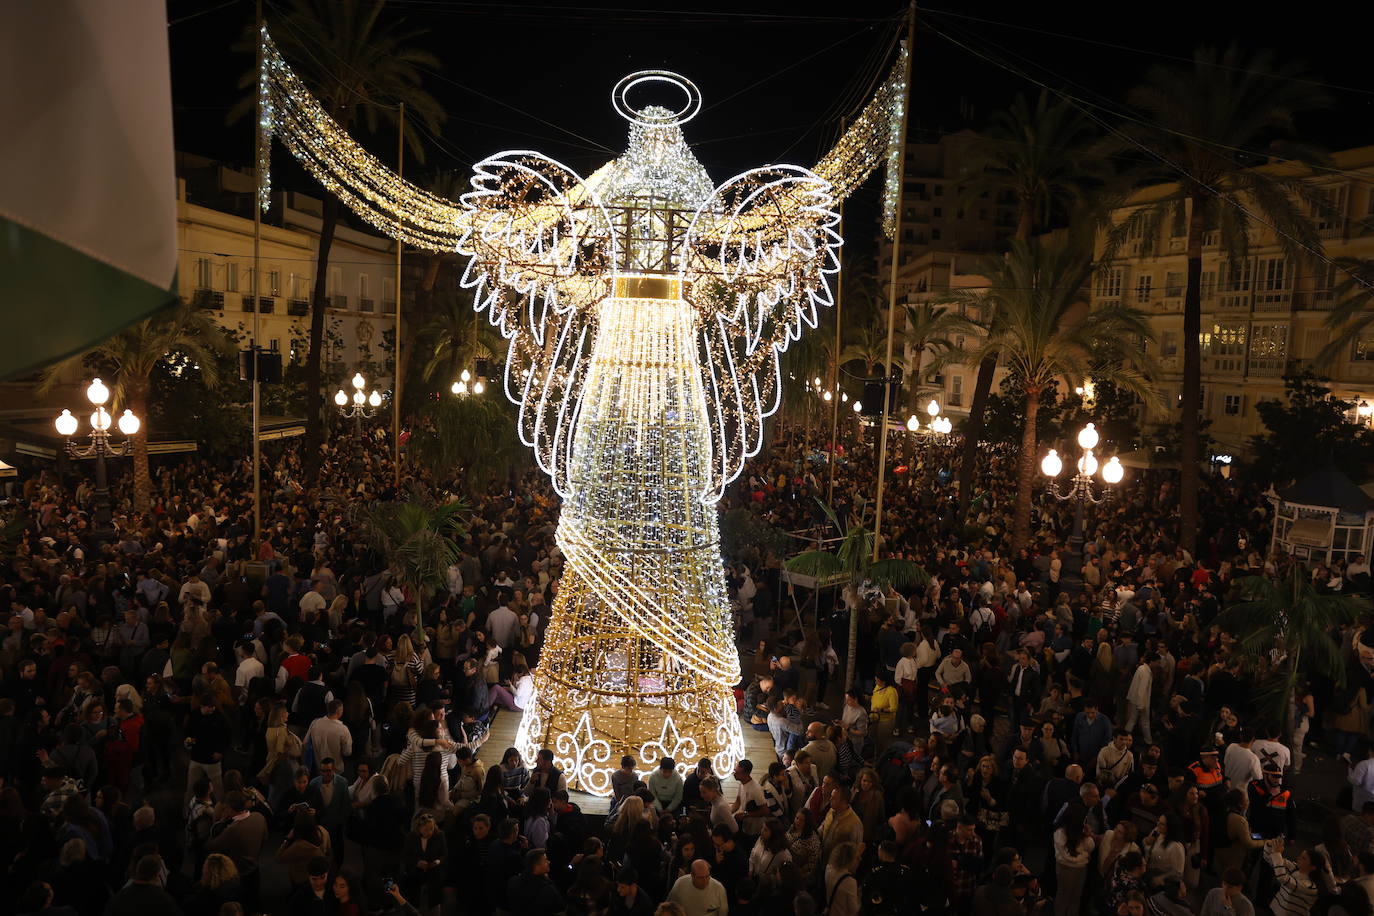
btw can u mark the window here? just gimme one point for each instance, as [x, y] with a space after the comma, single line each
[1168, 343]
[203, 273]
[1232, 403]
[231, 276]
[1362, 351]
[334, 282]
[935, 235]
[939, 190]
[982, 214]
[956, 390]
[908, 235]
[1331, 215]
[1271, 274]
[1224, 340]
[1178, 225]
[1269, 341]
[300, 287]
[1324, 282]
[1209, 284]
[909, 213]
[273, 283]
[389, 289]
[959, 214]
[1143, 286]
[939, 212]
[1173, 283]
[959, 342]
[920, 187]
[1109, 283]
[362, 286]
[1237, 275]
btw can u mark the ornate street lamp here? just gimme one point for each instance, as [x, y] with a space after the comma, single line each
[100, 446]
[360, 406]
[467, 385]
[1080, 491]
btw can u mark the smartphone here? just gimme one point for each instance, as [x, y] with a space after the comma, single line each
[388, 884]
[1256, 836]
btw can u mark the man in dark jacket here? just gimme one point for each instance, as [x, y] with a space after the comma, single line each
[207, 738]
[531, 893]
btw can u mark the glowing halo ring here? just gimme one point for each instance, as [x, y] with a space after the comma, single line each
[686, 113]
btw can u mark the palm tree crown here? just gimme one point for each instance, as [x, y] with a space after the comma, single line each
[1035, 317]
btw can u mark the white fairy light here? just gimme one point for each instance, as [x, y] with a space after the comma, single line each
[645, 309]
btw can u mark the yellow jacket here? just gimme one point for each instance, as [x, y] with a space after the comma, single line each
[884, 704]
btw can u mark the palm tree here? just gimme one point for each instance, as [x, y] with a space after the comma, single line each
[1290, 614]
[453, 336]
[1037, 157]
[852, 562]
[182, 334]
[1043, 330]
[361, 70]
[474, 436]
[928, 326]
[415, 538]
[1199, 123]
[869, 345]
[1352, 317]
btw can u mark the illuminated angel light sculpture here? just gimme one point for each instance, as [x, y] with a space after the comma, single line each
[645, 309]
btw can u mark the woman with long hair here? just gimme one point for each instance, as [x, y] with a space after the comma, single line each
[514, 775]
[494, 802]
[284, 752]
[538, 820]
[306, 840]
[1166, 850]
[358, 716]
[631, 813]
[1073, 852]
[349, 899]
[406, 668]
[1234, 851]
[431, 792]
[769, 855]
[803, 844]
[868, 803]
[80, 820]
[841, 885]
[517, 692]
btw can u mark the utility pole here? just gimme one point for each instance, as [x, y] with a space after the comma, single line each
[255, 348]
[396, 353]
[892, 286]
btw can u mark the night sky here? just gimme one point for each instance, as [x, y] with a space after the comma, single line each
[775, 77]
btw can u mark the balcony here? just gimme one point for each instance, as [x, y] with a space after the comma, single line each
[298, 306]
[1234, 299]
[1274, 300]
[388, 306]
[1225, 364]
[337, 301]
[1268, 367]
[366, 305]
[1333, 230]
[207, 298]
[955, 399]
[266, 304]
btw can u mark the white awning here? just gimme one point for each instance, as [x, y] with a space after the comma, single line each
[1310, 532]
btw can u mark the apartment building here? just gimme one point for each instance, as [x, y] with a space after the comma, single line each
[215, 243]
[1261, 315]
[933, 216]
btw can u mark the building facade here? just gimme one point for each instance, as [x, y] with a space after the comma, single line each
[215, 244]
[1262, 315]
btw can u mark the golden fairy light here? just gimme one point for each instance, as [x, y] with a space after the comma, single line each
[645, 309]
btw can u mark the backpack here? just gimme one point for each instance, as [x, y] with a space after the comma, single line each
[199, 820]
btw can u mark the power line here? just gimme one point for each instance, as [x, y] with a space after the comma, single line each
[1085, 108]
[1145, 51]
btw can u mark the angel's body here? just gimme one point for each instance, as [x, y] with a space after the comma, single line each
[645, 309]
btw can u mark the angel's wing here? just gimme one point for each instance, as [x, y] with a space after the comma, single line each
[759, 254]
[538, 242]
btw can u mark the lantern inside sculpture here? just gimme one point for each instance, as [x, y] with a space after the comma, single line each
[645, 309]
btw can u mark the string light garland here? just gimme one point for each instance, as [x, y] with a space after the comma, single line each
[645, 309]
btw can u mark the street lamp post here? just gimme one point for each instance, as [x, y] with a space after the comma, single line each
[362, 406]
[467, 385]
[99, 447]
[1080, 491]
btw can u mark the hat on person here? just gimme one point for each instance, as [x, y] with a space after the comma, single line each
[1208, 750]
[627, 875]
[1272, 767]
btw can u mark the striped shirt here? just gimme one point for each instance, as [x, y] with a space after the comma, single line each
[1296, 893]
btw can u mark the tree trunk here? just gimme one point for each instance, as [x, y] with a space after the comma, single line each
[314, 364]
[1025, 475]
[973, 431]
[1190, 437]
[852, 660]
[136, 388]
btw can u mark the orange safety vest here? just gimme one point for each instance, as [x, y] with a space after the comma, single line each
[1205, 778]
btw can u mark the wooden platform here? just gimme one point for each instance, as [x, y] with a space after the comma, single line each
[758, 748]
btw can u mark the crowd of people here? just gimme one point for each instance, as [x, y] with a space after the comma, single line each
[194, 721]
